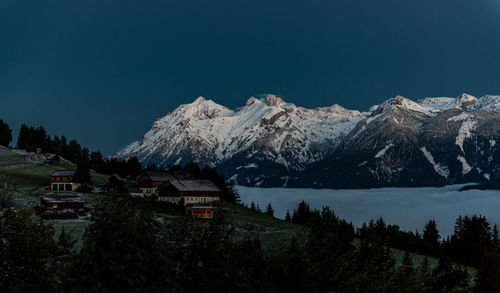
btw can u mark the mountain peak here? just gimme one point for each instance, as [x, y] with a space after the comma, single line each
[251, 101]
[466, 100]
[466, 96]
[272, 100]
[404, 103]
[398, 100]
[199, 100]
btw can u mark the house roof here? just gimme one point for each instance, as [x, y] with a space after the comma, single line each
[195, 185]
[134, 189]
[158, 176]
[181, 174]
[64, 173]
[202, 207]
[61, 198]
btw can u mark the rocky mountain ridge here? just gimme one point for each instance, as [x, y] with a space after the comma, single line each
[269, 142]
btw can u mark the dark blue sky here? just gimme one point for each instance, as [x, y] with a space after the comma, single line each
[102, 71]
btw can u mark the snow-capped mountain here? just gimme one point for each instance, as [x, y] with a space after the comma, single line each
[211, 134]
[269, 142]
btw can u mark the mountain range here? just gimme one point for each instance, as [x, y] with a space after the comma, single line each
[269, 142]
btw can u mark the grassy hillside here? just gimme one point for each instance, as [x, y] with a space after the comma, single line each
[273, 233]
[29, 170]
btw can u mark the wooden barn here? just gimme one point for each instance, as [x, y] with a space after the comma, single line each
[53, 160]
[61, 202]
[149, 182]
[201, 212]
[115, 184]
[64, 181]
[190, 192]
[61, 206]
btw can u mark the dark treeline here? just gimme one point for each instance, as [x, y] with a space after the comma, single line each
[474, 242]
[5, 133]
[31, 138]
[126, 250]
[472, 237]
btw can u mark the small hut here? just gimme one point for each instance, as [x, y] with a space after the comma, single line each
[201, 212]
[53, 159]
[61, 202]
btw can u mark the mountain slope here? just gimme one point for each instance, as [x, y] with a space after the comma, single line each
[269, 142]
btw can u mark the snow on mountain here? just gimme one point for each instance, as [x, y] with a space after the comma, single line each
[210, 133]
[443, 103]
[487, 103]
[270, 142]
[440, 169]
[407, 104]
[382, 152]
[465, 131]
[466, 168]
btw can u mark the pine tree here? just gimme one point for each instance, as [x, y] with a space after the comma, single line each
[193, 169]
[252, 206]
[302, 215]
[64, 146]
[40, 138]
[74, 152]
[83, 173]
[431, 238]
[85, 154]
[488, 275]
[97, 162]
[388, 255]
[424, 268]
[133, 167]
[472, 237]
[49, 145]
[23, 138]
[406, 273]
[407, 260]
[269, 210]
[5, 133]
[288, 218]
[152, 168]
[496, 238]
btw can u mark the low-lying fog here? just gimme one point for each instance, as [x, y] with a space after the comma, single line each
[410, 208]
